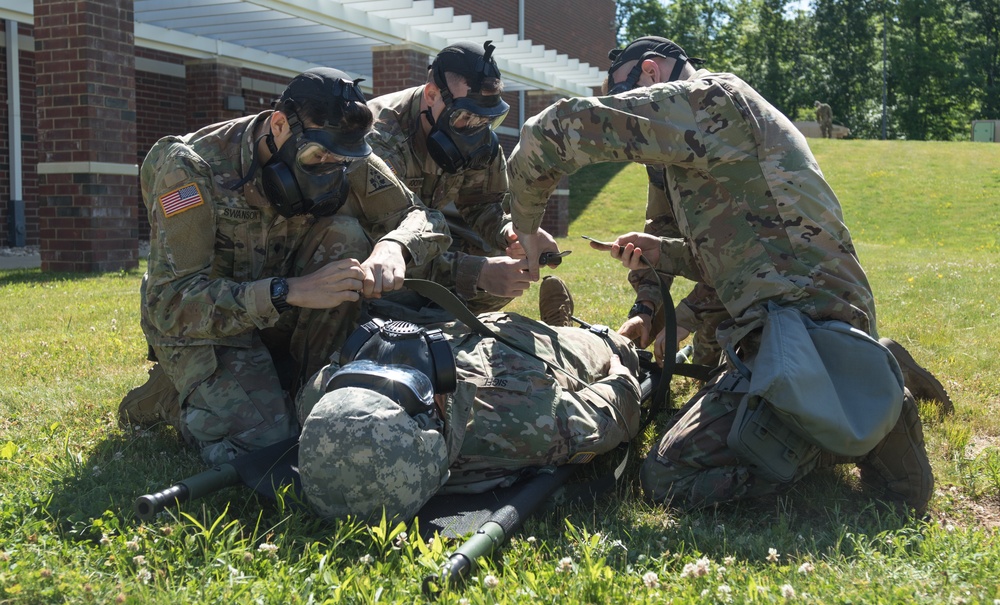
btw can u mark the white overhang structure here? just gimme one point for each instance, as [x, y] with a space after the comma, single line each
[289, 37]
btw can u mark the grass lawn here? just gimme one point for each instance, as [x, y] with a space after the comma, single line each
[925, 218]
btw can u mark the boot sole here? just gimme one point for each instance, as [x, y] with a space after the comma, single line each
[928, 386]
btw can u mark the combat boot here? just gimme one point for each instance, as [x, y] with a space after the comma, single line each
[151, 403]
[898, 464]
[922, 384]
[555, 304]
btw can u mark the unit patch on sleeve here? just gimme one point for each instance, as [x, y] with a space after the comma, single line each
[377, 180]
[181, 199]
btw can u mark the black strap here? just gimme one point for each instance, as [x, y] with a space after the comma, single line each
[660, 399]
[449, 302]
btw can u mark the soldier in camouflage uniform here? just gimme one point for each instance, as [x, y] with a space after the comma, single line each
[439, 139]
[266, 231]
[758, 223]
[360, 451]
[824, 117]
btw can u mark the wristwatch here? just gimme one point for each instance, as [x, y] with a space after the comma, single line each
[639, 309]
[279, 294]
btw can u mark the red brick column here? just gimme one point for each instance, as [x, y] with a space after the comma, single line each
[87, 175]
[395, 68]
[209, 85]
[556, 219]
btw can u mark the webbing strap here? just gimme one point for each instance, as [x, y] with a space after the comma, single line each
[449, 302]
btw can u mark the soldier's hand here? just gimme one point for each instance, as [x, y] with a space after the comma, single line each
[534, 245]
[384, 269]
[637, 329]
[660, 344]
[629, 249]
[617, 367]
[327, 287]
[504, 276]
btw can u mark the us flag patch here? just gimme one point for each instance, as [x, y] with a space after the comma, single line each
[182, 199]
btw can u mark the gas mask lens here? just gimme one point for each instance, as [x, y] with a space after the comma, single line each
[467, 117]
[317, 160]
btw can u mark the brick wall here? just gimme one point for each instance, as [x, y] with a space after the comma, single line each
[396, 68]
[584, 29]
[29, 141]
[85, 77]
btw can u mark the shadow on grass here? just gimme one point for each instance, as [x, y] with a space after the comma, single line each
[585, 184]
[38, 277]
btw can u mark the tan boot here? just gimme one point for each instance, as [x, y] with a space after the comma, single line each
[922, 384]
[151, 403]
[555, 305]
[898, 464]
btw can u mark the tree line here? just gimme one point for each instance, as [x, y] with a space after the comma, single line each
[900, 69]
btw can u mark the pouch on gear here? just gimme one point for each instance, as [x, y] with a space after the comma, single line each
[765, 443]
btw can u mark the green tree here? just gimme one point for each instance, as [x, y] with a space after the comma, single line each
[980, 27]
[637, 18]
[848, 63]
[933, 93]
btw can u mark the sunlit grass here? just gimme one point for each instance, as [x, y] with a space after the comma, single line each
[925, 218]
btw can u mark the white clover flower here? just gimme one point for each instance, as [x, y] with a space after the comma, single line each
[366, 559]
[688, 571]
[565, 565]
[720, 570]
[105, 540]
[724, 592]
[490, 581]
[139, 560]
[762, 590]
[787, 591]
[703, 564]
[464, 601]
[133, 544]
[806, 567]
[650, 579]
[144, 575]
[532, 540]
[96, 471]
[772, 555]
[729, 561]
[268, 549]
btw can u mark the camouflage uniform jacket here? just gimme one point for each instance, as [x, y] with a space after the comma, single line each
[213, 250]
[472, 200]
[511, 411]
[758, 221]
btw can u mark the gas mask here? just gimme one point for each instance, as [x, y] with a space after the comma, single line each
[306, 175]
[463, 137]
[405, 362]
[639, 50]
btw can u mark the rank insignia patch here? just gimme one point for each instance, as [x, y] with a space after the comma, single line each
[182, 199]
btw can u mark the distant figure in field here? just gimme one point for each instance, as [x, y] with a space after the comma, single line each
[824, 116]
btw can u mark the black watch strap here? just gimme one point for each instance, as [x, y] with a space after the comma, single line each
[279, 294]
[640, 309]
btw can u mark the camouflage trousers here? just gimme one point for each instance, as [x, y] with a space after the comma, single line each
[521, 414]
[701, 312]
[238, 399]
[693, 466]
[826, 129]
